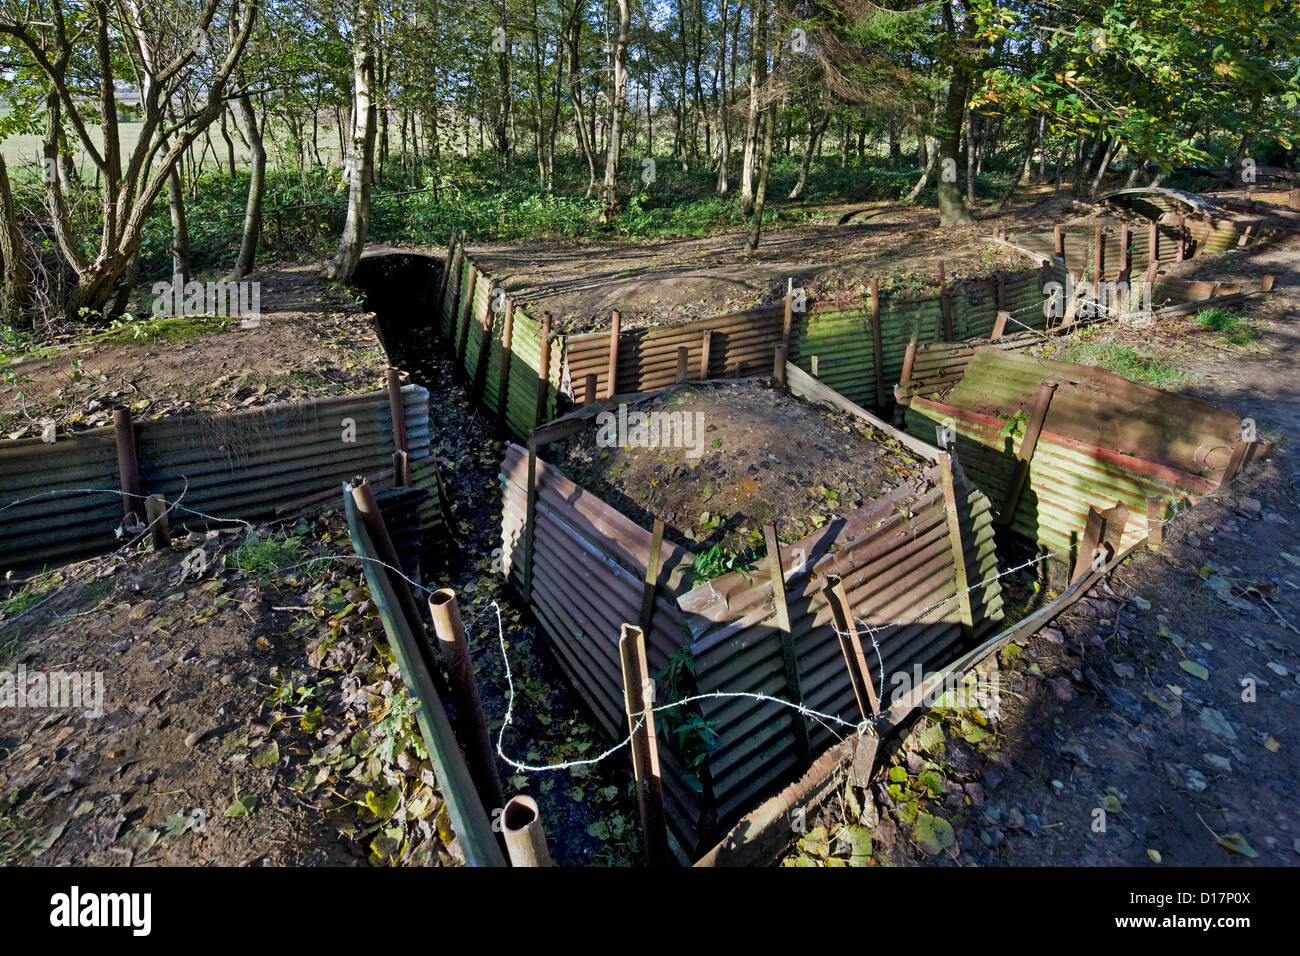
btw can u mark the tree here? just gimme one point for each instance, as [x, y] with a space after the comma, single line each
[617, 110]
[361, 151]
[71, 47]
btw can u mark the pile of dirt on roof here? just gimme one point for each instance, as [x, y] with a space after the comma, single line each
[717, 462]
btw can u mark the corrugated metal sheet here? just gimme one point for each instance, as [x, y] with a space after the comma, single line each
[894, 554]
[239, 465]
[1104, 439]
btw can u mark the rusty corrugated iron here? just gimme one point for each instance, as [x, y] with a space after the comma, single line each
[238, 465]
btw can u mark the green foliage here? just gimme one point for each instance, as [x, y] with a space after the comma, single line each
[1125, 360]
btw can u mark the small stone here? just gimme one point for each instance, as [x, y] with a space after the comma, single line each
[1124, 670]
[193, 739]
[1219, 762]
[1194, 779]
[1217, 724]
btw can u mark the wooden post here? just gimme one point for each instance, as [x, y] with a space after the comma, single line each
[503, 364]
[1099, 254]
[1026, 452]
[651, 581]
[612, 379]
[813, 366]
[706, 350]
[128, 466]
[1058, 243]
[638, 699]
[521, 822]
[877, 343]
[1182, 238]
[945, 306]
[1102, 531]
[864, 689]
[778, 367]
[589, 389]
[1153, 244]
[1000, 325]
[544, 371]
[955, 541]
[469, 708]
[155, 509]
[1125, 253]
[1155, 522]
[396, 408]
[794, 690]
[683, 357]
[462, 329]
[787, 324]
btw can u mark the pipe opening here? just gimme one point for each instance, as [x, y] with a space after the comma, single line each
[519, 814]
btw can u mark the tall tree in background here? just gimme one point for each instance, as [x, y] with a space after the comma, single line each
[361, 151]
[617, 110]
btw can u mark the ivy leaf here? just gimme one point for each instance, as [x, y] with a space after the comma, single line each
[243, 806]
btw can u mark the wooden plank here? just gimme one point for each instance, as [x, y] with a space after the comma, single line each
[793, 685]
[638, 698]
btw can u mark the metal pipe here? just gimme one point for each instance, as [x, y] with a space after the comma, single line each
[469, 707]
[525, 839]
[612, 378]
[778, 367]
[393, 380]
[128, 466]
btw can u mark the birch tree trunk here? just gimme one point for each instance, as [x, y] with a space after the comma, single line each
[361, 148]
[617, 109]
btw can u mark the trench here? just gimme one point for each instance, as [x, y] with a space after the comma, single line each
[588, 814]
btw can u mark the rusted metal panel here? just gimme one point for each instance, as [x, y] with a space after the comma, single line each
[236, 466]
[1104, 440]
[895, 556]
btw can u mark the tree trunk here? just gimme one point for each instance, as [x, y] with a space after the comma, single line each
[617, 109]
[769, 130]
[180, 231]
[724, 126]
[362, 148]
[757, 67]
[814, 133]
[952, 211]
[247, 258]
[925, 174]
[15, 276]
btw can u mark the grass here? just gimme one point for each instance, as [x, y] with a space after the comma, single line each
[1126, 361]
[1236, 329]
[164, 329]
[266, 555]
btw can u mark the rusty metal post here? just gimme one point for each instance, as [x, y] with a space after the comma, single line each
[469, 708]
[1182, 238]
[1026, 452]
[793, 684]
[706, 350]
[877, 343]
[613, 354]
[683, 357]
[778, 367]
[1058, 243]
[128, 466]
[638, 699]
[401, 469]
[651, 582]
[530, 520]
[155, 509]
[909, 360]
[544, 371]
[521, 822]
[1153, 244]
[1125, 253]
[1099, 253]
[864, 689]
[589, 389]
[397, 410]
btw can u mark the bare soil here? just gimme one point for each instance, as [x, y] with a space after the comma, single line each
[312, 339]
[663, 282]
[762, 457]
